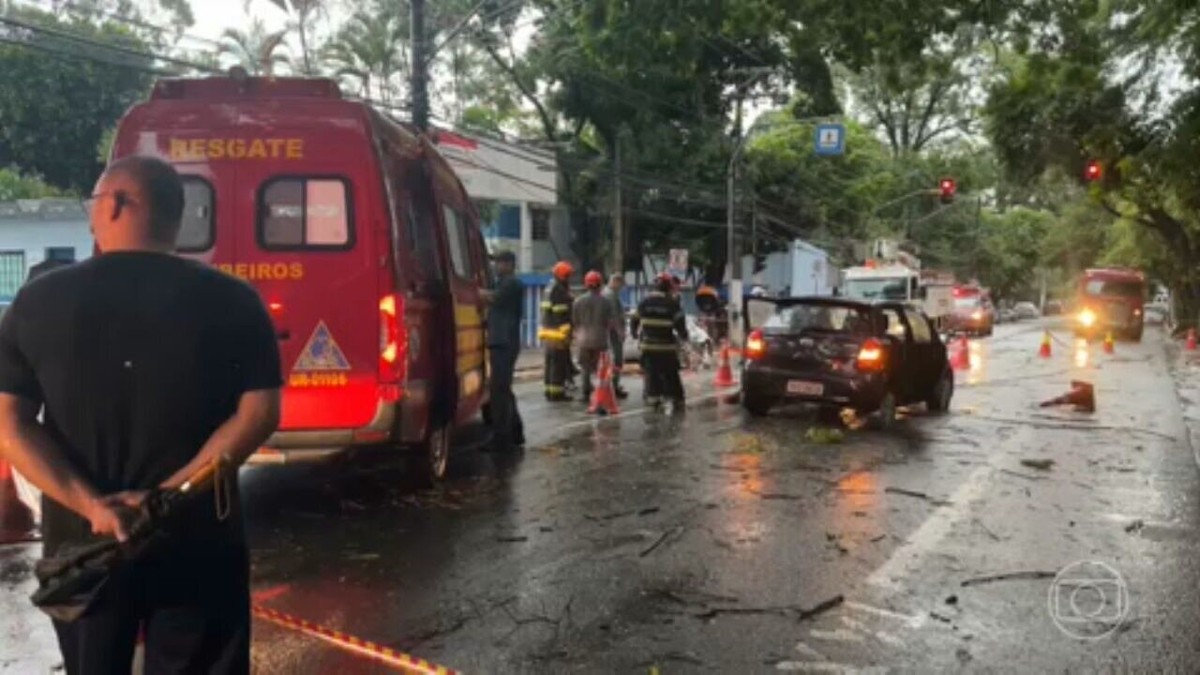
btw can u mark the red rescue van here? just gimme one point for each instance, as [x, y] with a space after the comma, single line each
[361, 240]
[1111, 300]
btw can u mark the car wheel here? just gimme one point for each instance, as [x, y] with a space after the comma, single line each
[885, 415]
[756, 405]
[435, 455]
[943, 391]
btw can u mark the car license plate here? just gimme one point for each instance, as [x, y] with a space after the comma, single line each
[802, 388]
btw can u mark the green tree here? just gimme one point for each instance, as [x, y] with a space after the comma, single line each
[370, 49]
[60, 91]
[14, 185]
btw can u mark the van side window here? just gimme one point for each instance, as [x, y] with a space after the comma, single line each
[422, 238]
[196, 230]
[460, 246]
[305, 213]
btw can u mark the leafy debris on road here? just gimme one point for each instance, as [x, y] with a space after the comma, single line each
[1135, 526]
[749, 444]
[878, 538]
[824, 435]
[1008, 576]
[512, 539]
[1039, 464]
[918, 495]
[952, 600]
[648, 511]
[987, 529]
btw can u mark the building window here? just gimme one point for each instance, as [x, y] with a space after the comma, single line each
[12, 273]
[305, 213]
[61, 254]
[541, 224]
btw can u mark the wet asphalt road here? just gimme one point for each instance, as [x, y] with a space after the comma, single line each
[697, 542]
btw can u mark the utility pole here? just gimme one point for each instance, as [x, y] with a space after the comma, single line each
[420, 65]
[618, 253]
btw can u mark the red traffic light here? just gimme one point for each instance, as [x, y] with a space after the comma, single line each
[1094, 171]
[947, 188]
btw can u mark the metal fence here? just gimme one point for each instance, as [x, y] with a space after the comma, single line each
[535, 288]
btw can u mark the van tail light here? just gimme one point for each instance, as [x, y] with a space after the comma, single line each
[870, 356]
[756, 347]
[393, 345]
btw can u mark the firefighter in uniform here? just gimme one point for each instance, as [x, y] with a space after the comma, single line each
[660, 323]
[555, 332]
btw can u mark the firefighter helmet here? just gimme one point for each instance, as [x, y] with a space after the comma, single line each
[563, 270]
[593, 279]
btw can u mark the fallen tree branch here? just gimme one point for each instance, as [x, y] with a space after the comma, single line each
[1009, 576]
[918, 495]
[659, 542]
[800, 613]
[1018, 474]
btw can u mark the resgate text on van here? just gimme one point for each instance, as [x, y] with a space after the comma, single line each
[264, 271]
[197, 149]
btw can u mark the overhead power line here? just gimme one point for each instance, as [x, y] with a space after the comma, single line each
[89, 42]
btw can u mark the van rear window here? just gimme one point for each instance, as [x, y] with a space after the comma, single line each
[305, 213]
[196, 230]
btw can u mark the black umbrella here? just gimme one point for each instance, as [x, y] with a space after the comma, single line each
[69, 583]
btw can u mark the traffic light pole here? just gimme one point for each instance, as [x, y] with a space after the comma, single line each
[420, 66]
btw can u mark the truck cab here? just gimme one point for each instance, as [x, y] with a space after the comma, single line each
[1111, 300]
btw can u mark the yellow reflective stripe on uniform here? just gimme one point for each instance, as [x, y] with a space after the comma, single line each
[560, 308]
[546, 304]
[658, 323]
[554, 389]
[655, 347]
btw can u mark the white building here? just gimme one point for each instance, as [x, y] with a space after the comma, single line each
[34, 230]
[518, 185]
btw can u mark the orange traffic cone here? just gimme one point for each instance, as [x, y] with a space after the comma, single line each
[1044, 352]
[1082, 396]
[604, 400]
[961, 359]
[1191, 340]
[1108, 343]
[724, 376]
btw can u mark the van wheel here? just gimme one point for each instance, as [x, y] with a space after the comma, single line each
[435, 455]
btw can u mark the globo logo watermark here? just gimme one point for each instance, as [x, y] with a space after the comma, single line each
[1088, 600]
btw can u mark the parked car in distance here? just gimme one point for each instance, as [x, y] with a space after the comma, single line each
[1026, 310]
[1156, 313]
[839, 353]
[1053, 307]
[1007, 316]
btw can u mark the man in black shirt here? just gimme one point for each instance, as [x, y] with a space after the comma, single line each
[149, 367]
[504, 346]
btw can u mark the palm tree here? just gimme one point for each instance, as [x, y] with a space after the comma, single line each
[371, 49]
[303, 14]
[256, 49]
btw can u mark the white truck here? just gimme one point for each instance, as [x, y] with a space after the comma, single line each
[802, 269]
[894, 274]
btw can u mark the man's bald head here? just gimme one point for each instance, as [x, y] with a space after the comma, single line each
[146, 198]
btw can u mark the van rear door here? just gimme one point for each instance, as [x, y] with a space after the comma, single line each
[305, 240]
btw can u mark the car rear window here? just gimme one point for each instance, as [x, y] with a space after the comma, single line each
[196, 230]
[305, 213]
[819, 318]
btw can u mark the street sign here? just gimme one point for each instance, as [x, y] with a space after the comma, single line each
[831, 139]
[678, 261]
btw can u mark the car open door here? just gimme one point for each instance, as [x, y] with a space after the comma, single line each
[924, 369]
[900, 350]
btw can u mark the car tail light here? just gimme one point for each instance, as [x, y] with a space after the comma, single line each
[870, 356]
[393, 339]
[756, 348]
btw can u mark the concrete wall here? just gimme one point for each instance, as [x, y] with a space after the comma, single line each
[31, 227]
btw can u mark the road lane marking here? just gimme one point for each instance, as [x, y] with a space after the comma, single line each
[836, 635]
[913, 621]
[932, 531]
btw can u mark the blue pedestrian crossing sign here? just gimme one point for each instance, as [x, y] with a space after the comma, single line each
[321, 352]
[831, 139]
